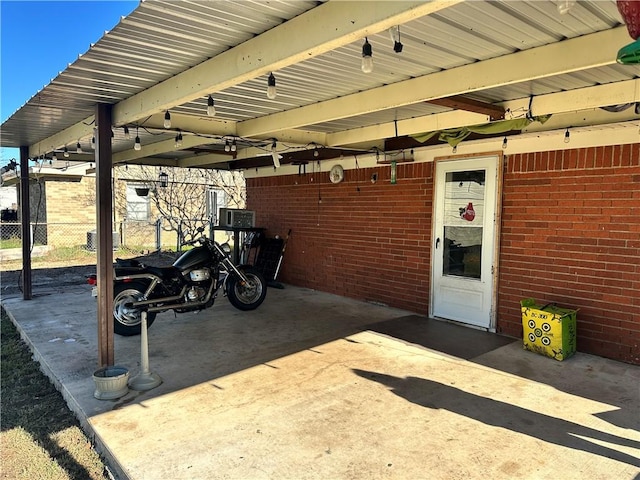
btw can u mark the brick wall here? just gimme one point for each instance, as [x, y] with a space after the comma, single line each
[356, 238]
[570, 234]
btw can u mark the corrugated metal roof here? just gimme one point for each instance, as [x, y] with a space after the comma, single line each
[162, 38]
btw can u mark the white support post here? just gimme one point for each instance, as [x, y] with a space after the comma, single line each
[145, 380]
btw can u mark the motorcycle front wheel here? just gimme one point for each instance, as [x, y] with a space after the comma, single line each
[126, 320]
[250, 295]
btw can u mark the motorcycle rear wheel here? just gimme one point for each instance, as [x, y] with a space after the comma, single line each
[127, 321]
[249, 296]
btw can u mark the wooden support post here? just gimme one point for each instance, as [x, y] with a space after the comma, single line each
[104, 225]
[25, 220]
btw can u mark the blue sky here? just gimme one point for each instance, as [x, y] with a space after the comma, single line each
[38, 40]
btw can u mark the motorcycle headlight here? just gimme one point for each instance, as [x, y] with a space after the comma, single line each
[226, 248]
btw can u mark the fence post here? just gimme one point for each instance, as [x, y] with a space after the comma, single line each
[158, 234]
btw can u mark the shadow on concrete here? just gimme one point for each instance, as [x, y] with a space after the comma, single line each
[435, 395]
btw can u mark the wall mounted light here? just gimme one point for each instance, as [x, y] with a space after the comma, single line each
[367, 57]
[163, 179]
[167, 119]
[211, 109]
[271, 87]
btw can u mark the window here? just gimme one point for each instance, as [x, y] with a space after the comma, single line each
[137, 206]
[216, 200]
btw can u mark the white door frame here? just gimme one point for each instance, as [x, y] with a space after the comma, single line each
[435, 233]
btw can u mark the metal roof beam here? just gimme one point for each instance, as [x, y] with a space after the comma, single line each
[589, 51]
[298, 39]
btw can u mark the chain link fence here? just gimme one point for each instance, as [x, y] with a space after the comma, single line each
[65, 241]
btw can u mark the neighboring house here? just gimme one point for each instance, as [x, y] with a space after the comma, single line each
[63, 208]
[566, 231]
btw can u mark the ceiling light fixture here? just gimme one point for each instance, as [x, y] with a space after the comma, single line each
[167, 119]
[211, 108]
[394, 32]
[271, 87]
[367, 59]
[567, 136]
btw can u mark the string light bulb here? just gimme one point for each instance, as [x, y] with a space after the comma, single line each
[271, 87]
[167, 119]
[127, 135]
[455, 149]
[137, 146]
[274, 155]
[65, 152]
[211, 108]
[504, 143]
[178, 143]
[565, 5]
[567, 136]
[394, 32]
[78, 148]
[54, 158]
[227, 146]
[367, 57]
[93, 142]
[234, 145]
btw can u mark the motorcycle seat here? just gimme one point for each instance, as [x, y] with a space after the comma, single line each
[163, 272]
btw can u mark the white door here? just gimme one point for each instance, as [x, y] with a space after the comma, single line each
[464, 236]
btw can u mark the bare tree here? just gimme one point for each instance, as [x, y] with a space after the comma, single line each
[182, 204]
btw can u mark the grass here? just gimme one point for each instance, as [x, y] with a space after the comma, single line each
[40, 437]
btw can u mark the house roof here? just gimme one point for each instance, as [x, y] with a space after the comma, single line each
[462, 63]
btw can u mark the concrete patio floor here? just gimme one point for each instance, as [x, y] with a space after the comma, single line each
[316, 386]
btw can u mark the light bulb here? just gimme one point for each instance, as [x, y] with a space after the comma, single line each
[504, 143]
[227, 146]
[167, 120]
[54, 158]
[367, 59]
[315, 152]
[567, 136]
[274, 156]
[455, 149]
[65, 152]
[78, 148]
[211, 109]
[178, 140]
[127, 135]
[271, 87]
[234, 146]
[394, 32]
[137, 146]
[565, 5]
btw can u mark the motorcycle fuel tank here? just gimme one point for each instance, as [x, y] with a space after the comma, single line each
[195, 256]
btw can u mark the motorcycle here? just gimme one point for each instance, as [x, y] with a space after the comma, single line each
[192, 283]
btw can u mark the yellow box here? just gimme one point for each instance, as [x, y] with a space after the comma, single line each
[548, 330]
